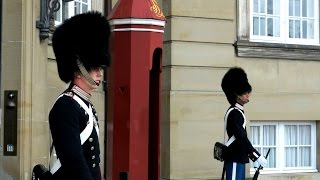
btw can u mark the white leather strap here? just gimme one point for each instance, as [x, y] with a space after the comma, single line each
[84, 135]
[55, 166]
[233, 138]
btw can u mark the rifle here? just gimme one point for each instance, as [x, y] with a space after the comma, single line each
[256, 174]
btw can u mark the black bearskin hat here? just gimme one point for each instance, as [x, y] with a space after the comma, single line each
[83, 37]
[235, 82]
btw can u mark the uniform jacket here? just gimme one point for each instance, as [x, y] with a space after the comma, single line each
[241, 149]
[67, 120]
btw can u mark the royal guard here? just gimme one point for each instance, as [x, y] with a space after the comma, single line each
[237, 89]
[81, 47]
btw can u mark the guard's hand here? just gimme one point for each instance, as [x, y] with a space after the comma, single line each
[262, 161]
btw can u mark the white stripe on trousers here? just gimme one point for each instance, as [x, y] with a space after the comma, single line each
[234, 171]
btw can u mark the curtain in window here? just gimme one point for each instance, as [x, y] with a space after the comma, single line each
[290, 146]
[269, 141]
[301, 19]
[255, 135]
[305, 149]
[266, 18]
[297, 146]
[255, 141]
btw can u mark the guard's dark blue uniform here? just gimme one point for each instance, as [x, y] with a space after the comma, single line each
[240, 150]
[78, 162]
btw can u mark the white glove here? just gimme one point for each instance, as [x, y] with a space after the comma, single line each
[262, 161]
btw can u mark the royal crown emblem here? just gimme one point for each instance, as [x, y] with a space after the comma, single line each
[156, 9]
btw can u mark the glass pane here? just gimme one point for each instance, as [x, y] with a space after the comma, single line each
[291, 30]
[265, 151]
[291, 157]
[290, 7]
[262, 6]
[297, 8]
[305, 135]
[276, 27]
[297, 33]
[304, 29]
[84, 8]
[255, 25]
[270, 26]
[310, 29]
[85, 1]
[272, 160]
[65, 11]
[310, 8]
[270, 6]
[269, 135]
[276, 6]
[255, 135]
[305, 156]
[57, 15]
[77, 9]
[304, 8]
[291, 135]
[262, 26]
[256, 6]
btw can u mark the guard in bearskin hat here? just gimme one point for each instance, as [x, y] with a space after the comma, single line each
[237, 89]
[81, 47]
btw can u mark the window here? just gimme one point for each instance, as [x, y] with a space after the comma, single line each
[69, 9]
[278, 29]
[285, 21]
[292, 145]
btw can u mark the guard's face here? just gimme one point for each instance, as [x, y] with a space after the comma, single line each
[244, 98]
[96, 74]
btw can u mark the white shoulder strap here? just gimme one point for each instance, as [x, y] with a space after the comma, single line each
[233, 138]
[84, 135]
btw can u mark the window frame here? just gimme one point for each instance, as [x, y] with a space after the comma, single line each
[284, 23]
[71, 12]
[246, 47]
[280, 147]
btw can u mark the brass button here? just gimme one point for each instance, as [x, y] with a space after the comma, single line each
[92, 148]
[93, 157]
[93, 165]
[90, 139]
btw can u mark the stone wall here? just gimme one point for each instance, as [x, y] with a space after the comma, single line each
[198, 50]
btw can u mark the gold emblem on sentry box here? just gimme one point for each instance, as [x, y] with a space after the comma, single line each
[155, 8]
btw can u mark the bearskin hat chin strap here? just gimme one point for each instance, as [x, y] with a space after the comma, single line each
[85, 73]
